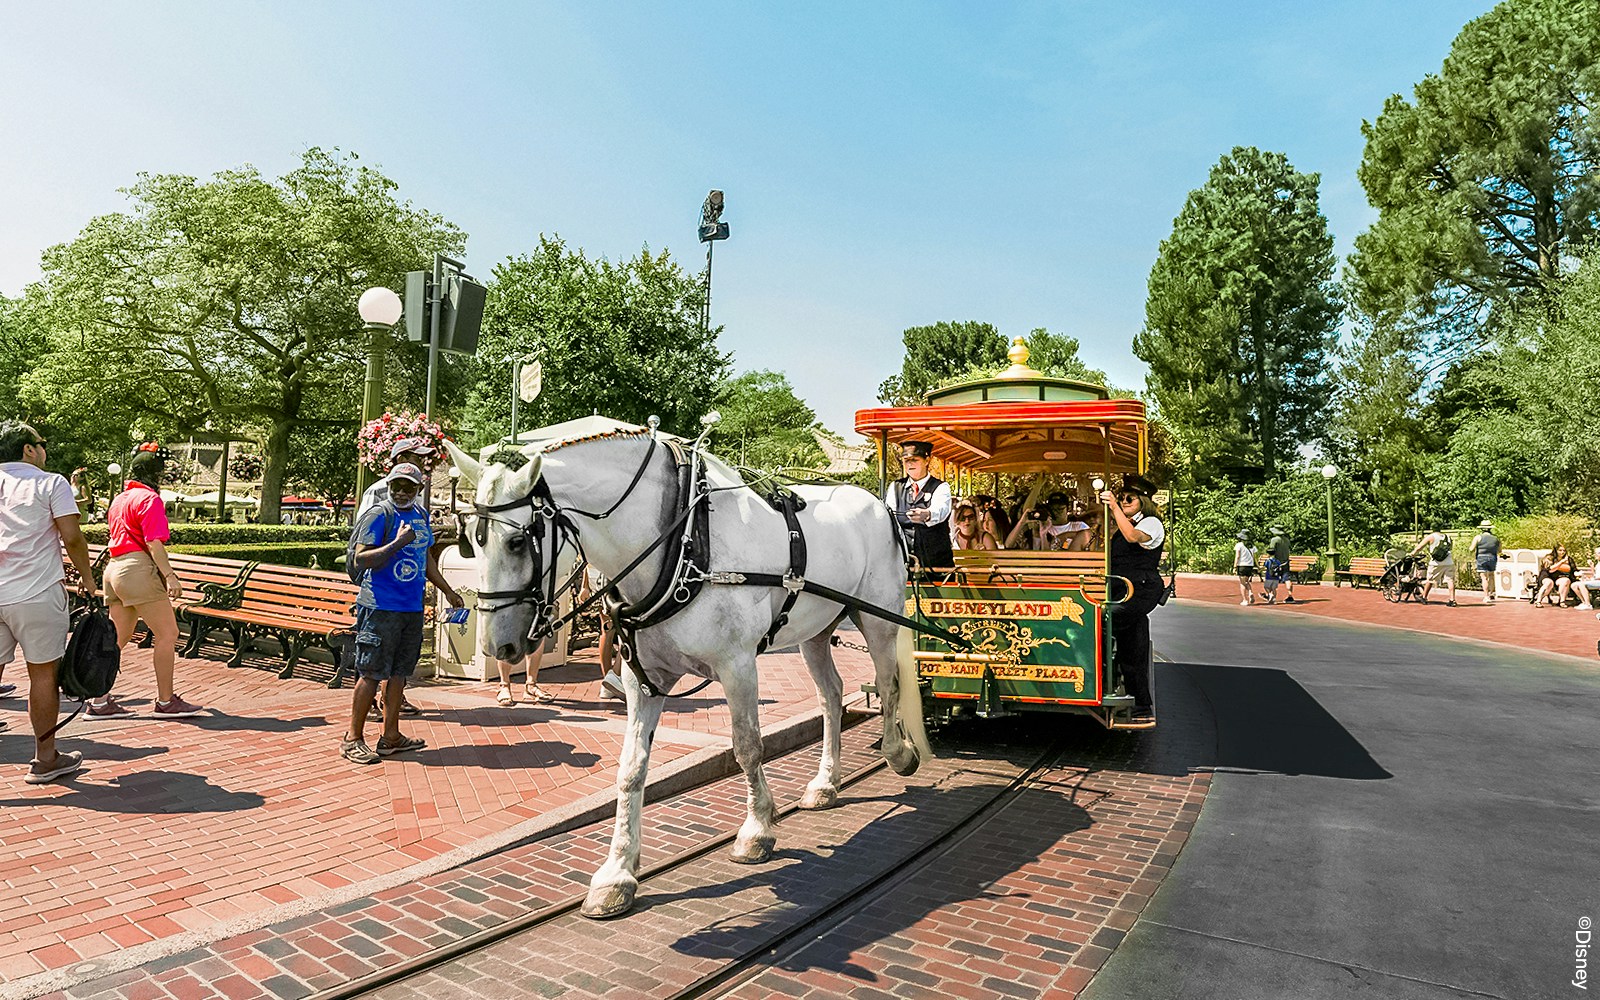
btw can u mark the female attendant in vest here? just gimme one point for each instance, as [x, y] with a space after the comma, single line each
[970, 533]
[921, 506]
[1136, 554]
[139, 582]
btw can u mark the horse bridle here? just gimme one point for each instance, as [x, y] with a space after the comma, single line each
[546, 516]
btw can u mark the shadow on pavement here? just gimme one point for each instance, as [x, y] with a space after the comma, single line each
[1265, 721]
[516, 757]
[157, 792]
[1032, 824]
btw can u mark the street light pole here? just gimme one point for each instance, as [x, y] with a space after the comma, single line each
[711, 230]
[380, 310]
[1328, 472]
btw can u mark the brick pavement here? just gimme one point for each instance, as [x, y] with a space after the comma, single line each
[1565, 631]
[182, 832]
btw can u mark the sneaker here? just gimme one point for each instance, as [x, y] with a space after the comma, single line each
[611, 687]
[7, 690]
[1289, 599]
[110, 710]
[357, 752]
[406, 743]
[177, 708]
[1449, 604]
[66, 763]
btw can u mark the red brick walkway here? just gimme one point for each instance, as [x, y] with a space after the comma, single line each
[180, 832]
[1569, 631]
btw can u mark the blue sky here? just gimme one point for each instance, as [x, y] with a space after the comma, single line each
[886, 164]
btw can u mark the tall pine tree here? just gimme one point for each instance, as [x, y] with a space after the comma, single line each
[1241, 314]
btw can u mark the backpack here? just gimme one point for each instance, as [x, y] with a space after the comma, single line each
[1441, 550]
[93, 658]
[354, 572]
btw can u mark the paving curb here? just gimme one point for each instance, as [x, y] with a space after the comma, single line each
[704, 765]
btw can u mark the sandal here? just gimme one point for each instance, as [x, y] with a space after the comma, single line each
[504, 699]
[538, 694]
[406, 708]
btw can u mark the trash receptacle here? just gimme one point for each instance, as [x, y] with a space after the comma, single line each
[459, 651]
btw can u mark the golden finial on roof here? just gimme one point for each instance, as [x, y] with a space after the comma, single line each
[1019, 362]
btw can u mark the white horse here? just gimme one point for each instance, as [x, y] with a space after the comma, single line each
[851, 548]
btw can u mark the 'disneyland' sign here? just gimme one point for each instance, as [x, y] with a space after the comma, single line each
[1006, 608]
[1040, 645]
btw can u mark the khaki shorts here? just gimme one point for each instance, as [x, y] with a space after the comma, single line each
[38, 625]
[132, 581]
[1440, 573]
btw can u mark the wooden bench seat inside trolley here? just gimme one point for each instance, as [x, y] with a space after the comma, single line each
[1001, 567]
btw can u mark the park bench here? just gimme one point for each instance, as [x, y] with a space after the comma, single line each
[1299, 566]
[1368, 568]
[298, 607]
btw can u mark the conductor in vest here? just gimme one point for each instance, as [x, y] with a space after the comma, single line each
[921, 506]
[1136, 554]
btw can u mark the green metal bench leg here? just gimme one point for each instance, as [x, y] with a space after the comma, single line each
[338, 664]
[241, 642]
[292, 644]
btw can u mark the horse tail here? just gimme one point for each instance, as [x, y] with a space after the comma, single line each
[910, 703]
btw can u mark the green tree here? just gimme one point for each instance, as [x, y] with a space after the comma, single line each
[322, 464]
[940, 353]
[1377, 430]
[1486, 179]
[229, 304]
[1492, 468]
[620, 339]
[1242, 310]
[764, 424]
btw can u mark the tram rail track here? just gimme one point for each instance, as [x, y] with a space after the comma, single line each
[741, 970]
[737, 970]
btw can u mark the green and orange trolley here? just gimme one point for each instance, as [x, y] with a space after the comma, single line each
[1039, 621]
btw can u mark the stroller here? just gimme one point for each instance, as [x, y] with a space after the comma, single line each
[1403, 579]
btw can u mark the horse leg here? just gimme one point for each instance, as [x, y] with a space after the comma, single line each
[823, 791]
[612, 888]
[756, 839]
[898, 697]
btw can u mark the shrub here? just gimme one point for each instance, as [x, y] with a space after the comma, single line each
[1541, 531]
[202, 533]
[278, 553]
[1204, 522]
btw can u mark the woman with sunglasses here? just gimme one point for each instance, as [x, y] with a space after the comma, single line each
[970, 531]
[1136, 554]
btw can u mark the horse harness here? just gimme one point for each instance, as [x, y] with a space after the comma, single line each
[685, 572]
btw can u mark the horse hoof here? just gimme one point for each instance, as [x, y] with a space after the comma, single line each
[905, 761]
[820, 798]
[605, 902]
[755, 852]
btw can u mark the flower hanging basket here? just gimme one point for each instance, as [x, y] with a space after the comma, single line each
[377, 438]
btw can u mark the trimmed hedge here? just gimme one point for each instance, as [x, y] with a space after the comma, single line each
[203, 533]
[279, 553]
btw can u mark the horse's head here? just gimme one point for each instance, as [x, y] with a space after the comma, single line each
[513, 555]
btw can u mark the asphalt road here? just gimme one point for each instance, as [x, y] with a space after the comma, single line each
[1394, 816]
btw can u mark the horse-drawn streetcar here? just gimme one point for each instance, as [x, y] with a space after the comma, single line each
[1040, 621]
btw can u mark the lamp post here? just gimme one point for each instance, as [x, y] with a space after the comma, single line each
[380, 310]
[1328, 472]
[711, 230]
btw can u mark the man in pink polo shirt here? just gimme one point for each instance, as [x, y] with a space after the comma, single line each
[139, 581]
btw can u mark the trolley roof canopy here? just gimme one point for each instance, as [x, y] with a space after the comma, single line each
[1021, 421]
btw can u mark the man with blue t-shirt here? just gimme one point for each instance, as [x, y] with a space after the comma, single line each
[394, 544]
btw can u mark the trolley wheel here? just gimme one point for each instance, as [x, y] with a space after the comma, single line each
[1391, 592]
